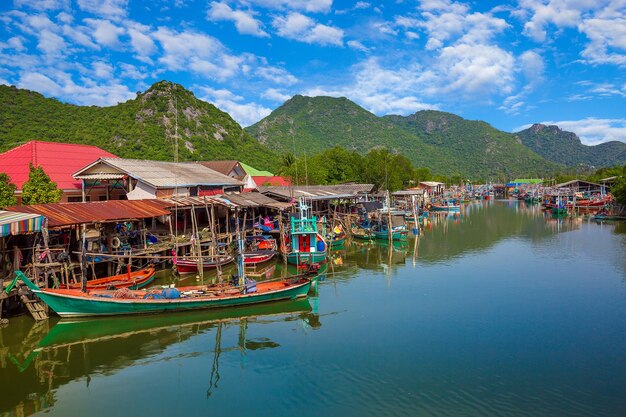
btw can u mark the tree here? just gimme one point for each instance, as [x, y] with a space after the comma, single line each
[619, 191]
[7, 191]
[39, 188]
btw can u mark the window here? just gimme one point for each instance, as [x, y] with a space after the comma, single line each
[77, 199]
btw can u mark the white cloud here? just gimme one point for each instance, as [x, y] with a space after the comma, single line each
[276, 75]
[141, 41]
[132, 72]
[105, 32]
[244, 113]
[603, 22]
[198, 52]
[358, 46]
[50, 43]
[43, 5]
[62, 87]
[102, 70]
[533, 67]
[312, 6]
[107, 8]
[302, 28]
[275, 95]
[475, 69]
[381, 90]
[244, 21]
[16, 43]
[80, 35]
[591, 130]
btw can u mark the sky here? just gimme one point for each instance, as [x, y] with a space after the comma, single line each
[510, 64]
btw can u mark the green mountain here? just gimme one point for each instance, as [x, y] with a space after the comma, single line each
[566, 148]
[443, 142]
[144, 127]
[476, 146]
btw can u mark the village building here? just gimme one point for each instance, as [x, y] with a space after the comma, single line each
[58, 160]
[432, 187]
[251, 177]
[143, 179]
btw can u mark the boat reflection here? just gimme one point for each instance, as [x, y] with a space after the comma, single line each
[35, 362]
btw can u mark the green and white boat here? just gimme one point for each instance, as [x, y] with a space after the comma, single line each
[307, 244]
[75, 303]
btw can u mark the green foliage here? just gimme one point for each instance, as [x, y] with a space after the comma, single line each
[7, 191]
[566, 148]
[142, 128]
[440, 142]
[619, 191]
[39, 189]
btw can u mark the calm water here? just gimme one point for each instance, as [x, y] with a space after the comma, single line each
[496, 312]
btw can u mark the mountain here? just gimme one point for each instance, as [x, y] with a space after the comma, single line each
[443, 142]
[476, 146]
[144, 127]
[566, 148]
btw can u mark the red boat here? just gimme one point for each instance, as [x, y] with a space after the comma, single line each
[132, 280]
[258, 257]
[190, 266]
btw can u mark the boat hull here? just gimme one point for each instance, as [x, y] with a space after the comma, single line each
[396, 235]
[184, 266]
[68, 305]
[304, 258]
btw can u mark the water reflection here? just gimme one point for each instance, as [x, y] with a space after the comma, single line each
[38, 358]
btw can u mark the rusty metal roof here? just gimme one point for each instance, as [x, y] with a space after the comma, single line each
[66, 214]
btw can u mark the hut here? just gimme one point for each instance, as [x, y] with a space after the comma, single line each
[142, 179]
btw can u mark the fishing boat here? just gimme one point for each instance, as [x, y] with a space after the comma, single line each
[190, 266]
[336, 238]
[307, 245]
[361, 232]
[258, 257]
[446, 206]
[75, 303]
[133, 280]
[397, 233]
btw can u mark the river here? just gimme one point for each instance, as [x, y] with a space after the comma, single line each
[496, 311]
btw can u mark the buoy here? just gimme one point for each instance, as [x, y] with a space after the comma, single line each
[115, 242]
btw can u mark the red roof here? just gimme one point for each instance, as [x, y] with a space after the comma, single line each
[275, 180]
[58, 160]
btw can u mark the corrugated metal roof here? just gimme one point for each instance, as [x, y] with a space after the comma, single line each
[161, 174]
[223, 167]
[58, 160]
[243, 200]
[318, 192]
[102, 176]
[65, 214]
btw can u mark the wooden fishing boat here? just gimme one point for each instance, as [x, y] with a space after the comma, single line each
[75, 303]
[336, 241]
[258, 257]
[307, 245]
[397, 233]
[362, 233]
[190, 266]
[444, 207]
[133, 280]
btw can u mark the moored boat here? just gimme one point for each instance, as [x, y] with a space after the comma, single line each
[190, 266]
[133, 280]
[307, 245]
[75, 303]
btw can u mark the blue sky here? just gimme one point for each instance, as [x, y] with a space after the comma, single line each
[510, 64]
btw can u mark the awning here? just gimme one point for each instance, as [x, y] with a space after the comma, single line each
[12, 223]
[66, 214]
